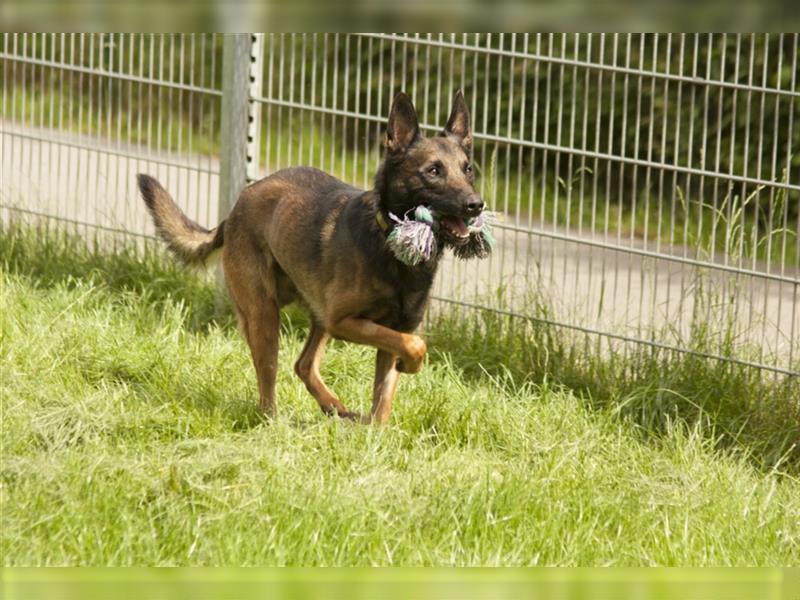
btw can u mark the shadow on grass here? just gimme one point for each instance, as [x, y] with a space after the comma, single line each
[739, 407]
[240, 412]
[50, 258]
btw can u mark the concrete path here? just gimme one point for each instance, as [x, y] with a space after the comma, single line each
[585, 280]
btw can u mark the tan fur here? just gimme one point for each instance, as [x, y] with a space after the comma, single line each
[187, 240]
[302, 235]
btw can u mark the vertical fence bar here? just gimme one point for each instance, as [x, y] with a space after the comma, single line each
[234, 123]
[255, 81]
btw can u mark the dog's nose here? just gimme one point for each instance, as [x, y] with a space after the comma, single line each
[474, 206]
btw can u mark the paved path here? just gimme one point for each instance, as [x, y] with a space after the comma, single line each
[627, 293]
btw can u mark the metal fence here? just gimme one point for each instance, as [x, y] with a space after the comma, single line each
[648, 186]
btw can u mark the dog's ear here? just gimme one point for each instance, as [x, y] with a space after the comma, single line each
[458, 123]
[403, 128]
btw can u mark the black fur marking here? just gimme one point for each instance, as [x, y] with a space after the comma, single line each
[148, 187]
[219, 236]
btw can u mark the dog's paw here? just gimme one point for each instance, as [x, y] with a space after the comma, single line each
[408, 368]
[415, 354]
[350, 415]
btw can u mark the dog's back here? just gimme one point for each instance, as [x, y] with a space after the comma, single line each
[294, 216]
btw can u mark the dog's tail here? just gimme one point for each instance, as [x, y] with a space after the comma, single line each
[190, 242]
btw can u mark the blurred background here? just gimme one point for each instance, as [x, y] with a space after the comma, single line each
[396, 583]
[646, 185]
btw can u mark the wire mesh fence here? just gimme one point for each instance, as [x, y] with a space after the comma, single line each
[648, 186]
[82, 113]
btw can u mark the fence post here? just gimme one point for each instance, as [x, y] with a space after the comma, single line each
[236, 123]
[254, 115]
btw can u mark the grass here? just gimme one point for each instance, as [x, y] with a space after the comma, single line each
[737, 407]
[130, 436]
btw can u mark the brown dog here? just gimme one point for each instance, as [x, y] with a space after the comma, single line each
[302, 235]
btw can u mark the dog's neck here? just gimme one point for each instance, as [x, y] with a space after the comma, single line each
[389, 197]
[384, 198]
[381, 195]
[382, 219]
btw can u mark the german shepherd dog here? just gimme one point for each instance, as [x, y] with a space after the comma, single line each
[303, 235]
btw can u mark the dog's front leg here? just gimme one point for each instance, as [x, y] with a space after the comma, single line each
[409, 348]
[386, 376]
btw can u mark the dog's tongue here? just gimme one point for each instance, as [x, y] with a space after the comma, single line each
[456, 226]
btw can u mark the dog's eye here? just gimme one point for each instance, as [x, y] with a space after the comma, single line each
[434, 171]
[468, 169]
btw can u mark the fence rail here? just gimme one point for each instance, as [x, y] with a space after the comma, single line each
[648, 185]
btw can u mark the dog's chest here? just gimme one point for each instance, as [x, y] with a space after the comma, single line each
[404, 307]
[411, 309]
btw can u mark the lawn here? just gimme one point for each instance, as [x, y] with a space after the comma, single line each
[130, 436]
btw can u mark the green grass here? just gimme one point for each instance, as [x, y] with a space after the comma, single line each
[130, 435]
[737, 407]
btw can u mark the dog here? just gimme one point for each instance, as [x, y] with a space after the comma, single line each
[302, 235]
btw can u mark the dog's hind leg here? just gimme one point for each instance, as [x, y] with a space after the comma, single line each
[307, 368]
[253, 291]
[262, 324]
[386, 376]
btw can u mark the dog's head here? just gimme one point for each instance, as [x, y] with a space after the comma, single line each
[436, 172]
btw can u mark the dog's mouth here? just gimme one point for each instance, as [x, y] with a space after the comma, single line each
[455, 230]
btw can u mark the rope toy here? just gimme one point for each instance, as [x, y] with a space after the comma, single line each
[413, 239]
